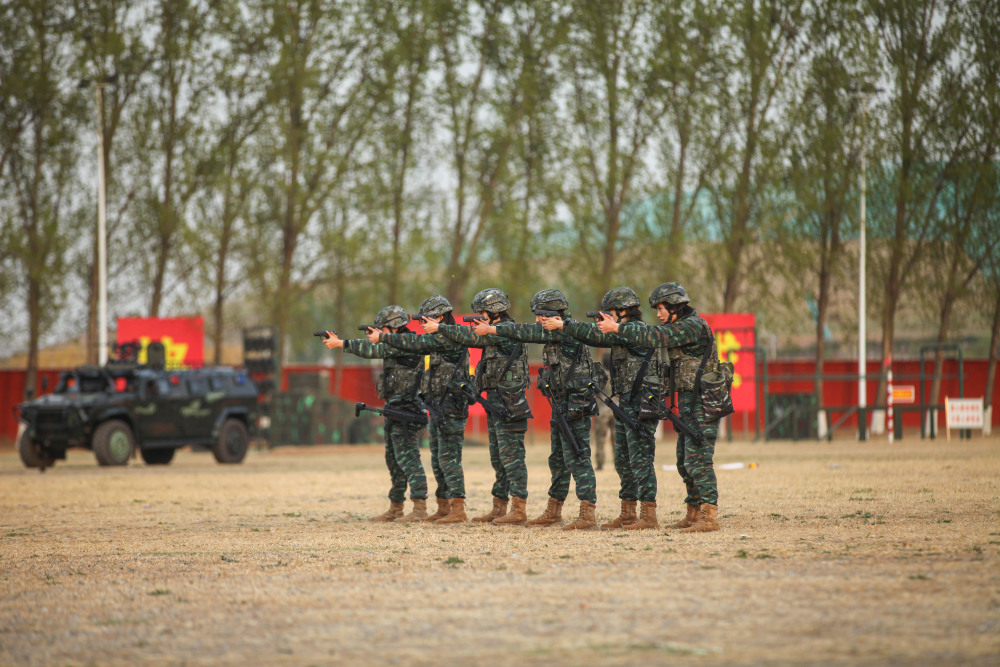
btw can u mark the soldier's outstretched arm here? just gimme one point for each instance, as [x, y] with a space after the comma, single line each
[412, 342]
[366, 350]
[591, 335]
[527, 332]
[683, 332]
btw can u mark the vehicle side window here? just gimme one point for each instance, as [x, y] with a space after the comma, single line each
[197, 386]
[219, 382]
[163, 387]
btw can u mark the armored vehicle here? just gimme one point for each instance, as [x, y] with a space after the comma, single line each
[115, 411]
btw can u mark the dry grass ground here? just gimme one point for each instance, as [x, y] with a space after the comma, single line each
[838, 553]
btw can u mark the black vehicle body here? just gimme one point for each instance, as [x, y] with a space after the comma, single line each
[116, 411]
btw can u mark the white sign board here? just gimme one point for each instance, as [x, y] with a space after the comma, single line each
[962, 413]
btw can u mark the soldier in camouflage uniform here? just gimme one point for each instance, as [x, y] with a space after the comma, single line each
[635, 375]
[449, 409]
[686, 337]
[503, 374]
[398, 386]
[564, 378]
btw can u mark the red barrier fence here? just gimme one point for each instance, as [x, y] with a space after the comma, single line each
[783, 379]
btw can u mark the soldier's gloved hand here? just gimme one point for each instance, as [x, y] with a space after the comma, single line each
[430, 326]
[483, 329]
[607, 324]
[373, 335]
[552, 323]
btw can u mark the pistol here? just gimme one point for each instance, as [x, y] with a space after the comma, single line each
[366, 327]
[322, 334]
[596, 314]
[417, 317]
[473, 318]
[547, 313]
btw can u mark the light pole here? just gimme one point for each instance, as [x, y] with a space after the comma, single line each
[862, 93]
[102, 232]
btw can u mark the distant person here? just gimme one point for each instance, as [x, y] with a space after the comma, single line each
[688, 340]
[635, 373]
[503, 374]
[398, 386]
[449, 409]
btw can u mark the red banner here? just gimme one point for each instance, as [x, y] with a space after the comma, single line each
[735, 338]
[183, 338]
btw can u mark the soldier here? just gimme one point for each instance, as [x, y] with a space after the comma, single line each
[448, 407]
[564, 380]
[688, 338]
[398, 386]
[635, 374]
[503, 374]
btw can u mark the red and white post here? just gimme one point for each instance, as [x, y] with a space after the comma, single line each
[888, 397]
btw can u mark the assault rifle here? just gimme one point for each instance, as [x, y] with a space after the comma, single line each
[561, 423]
[392, 413]
[616, 409]
[596, 314]
[424, 405]
[498, 411]
[547, 313]
[681, 426]
[473, 318]
[322, 334]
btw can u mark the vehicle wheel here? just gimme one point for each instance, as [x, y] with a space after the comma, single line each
[32, 454]
[233, 442]
[113, 443]
[157, 457]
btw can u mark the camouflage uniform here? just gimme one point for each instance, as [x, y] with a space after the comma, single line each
[634, 449]
[578, 405]
[449, 409]
[402, 449]
[686, 341]
[506, 437]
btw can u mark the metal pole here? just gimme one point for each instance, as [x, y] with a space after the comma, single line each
[862, 334]
[102, 244]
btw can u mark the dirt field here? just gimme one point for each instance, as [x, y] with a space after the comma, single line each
[838, 553]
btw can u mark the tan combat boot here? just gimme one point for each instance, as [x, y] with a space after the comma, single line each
[444, 506]
[457, 513]
[394, 512]
[517, 515]
[419, 511]
[693, 514]
[626, 517]
[587, 518]
[551, 515]
[708, 522]
[647, 518]
[499, 509]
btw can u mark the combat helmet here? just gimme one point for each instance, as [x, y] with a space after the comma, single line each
[672, 294]
[549, 299]
[392, 317]
[491, 300]
[435, 306]
[620, 298]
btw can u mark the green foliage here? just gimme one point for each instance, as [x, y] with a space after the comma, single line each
[305, 163]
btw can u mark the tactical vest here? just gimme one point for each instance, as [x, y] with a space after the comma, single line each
[625, 365]
[559, 363]
[683, 363]
[399, 380]
[444, 369]
[491, 365]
